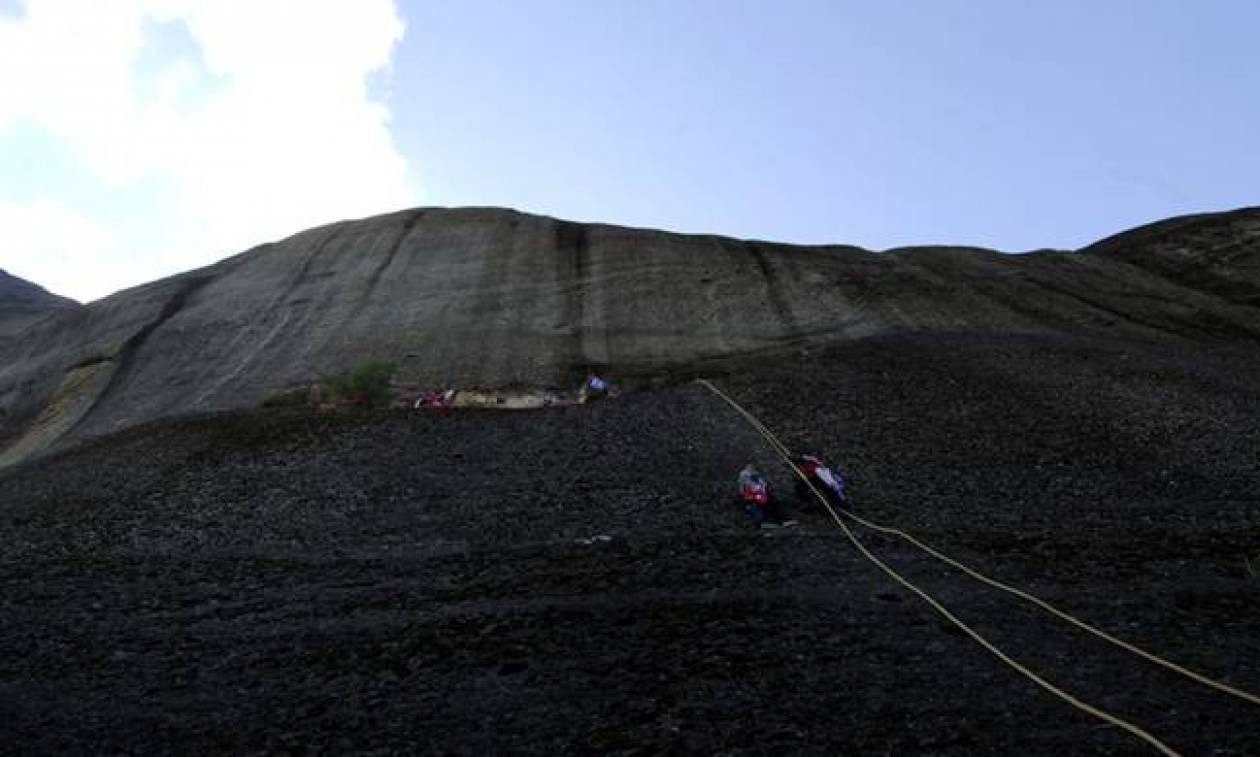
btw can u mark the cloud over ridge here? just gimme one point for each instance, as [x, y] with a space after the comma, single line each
[239, 122]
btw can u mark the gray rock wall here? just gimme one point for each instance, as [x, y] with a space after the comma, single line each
[22, 303]
[489, 297]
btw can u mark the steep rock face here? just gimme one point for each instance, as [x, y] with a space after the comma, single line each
[489, 297]
[1213, 252]
[22, 303]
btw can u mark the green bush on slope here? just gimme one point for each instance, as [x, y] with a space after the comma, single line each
[366, 384]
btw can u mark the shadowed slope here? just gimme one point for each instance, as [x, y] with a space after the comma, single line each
[267, 581]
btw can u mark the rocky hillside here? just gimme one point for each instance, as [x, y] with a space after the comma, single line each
[22, 303]
[283, 581]
[488, 297]
[1216, 253]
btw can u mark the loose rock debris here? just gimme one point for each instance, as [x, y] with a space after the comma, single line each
[381, 582]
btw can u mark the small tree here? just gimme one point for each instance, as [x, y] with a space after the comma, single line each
[365, 384]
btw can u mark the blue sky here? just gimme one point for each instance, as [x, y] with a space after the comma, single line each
[1011, 124]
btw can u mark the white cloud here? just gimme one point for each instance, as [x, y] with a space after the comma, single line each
[265, 128]
[50, 243]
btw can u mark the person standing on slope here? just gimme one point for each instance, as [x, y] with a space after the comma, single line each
[593, 388]
[765, 510]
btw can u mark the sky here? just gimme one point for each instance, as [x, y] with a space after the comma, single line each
[140, 138]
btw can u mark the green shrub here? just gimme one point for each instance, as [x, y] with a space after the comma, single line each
[365, 384]
[1253, 566]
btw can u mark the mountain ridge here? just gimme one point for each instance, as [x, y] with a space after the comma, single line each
[24, 302]
[489, 297]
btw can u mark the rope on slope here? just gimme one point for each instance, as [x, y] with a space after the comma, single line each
[1041, 603]
[936, 605]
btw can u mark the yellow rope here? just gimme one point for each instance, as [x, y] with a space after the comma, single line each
[1043, 683]
[1151, 657]
[1044, 605]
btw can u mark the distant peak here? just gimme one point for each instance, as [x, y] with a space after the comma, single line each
[16, 292]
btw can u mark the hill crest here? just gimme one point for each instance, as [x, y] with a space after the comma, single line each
[489, 297]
